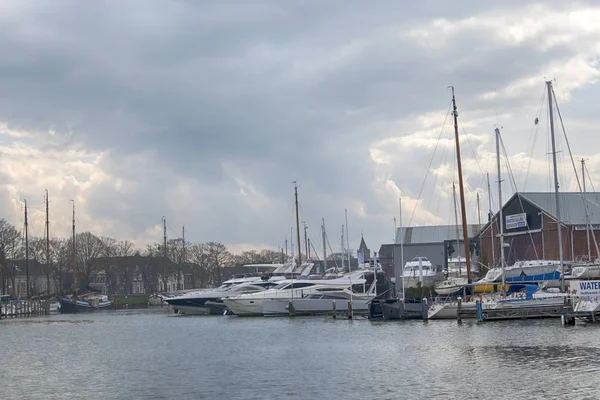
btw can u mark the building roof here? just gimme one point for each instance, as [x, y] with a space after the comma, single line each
[363, 245]
[572, 209]
[433, 234]
[386, 251]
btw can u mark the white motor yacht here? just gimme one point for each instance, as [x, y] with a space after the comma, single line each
[194, 303]
[251, 304]
[419, 269]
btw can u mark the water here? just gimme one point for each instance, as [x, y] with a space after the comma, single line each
[158, 355]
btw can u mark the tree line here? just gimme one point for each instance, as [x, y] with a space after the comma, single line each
[203, 263]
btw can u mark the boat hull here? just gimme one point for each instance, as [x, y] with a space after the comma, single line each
[245, 307]
[67, 306]
[489, 287]
[280, 307]
[450, 310]
[398, 310]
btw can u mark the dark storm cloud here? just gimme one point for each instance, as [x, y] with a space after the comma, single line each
[282, 90]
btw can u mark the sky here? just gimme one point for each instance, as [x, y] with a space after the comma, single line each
[206, 112]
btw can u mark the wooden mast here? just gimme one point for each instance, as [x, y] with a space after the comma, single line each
[461, 189]
[26, 249]
[47, 244]
[74, 267]
[298, 226]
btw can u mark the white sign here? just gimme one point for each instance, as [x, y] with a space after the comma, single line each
[516, 221]
[584, 288]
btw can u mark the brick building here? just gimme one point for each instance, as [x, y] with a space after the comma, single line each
[531, 227]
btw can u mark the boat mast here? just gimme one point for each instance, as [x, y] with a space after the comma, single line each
[26, 249]
[182, 257]
[456, 225]
[501, 222]
[324, 247]
[401, 247]
[47, 244]
[462, 190]
[491, 218]
[164, 271]
[305, 242]
[343, 250]
[560, 244]
[587, 218]
[298, 226]
[478, 214]
[347, 242]
[74, 267]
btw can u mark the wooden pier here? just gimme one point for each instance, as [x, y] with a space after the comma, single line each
[24, 308]
[483, 314]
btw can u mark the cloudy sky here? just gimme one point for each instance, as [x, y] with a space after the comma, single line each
[205, 112]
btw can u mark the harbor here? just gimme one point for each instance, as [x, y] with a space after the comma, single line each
[308, 356]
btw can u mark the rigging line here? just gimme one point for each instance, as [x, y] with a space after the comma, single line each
[441, 165]
[466, 136]
[511, 176]
[429, 167]
[535, 128]
[331, 252]
[585, 205]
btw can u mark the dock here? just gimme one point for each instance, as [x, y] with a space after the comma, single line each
[24, 308]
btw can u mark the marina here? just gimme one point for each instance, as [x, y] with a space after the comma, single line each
[115, 361]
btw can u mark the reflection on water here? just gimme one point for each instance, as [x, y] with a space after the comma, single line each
[158, 355]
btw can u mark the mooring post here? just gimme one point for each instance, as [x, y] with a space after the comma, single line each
[458, 313]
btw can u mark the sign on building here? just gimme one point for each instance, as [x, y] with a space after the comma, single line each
[516, 221]
[584, 288]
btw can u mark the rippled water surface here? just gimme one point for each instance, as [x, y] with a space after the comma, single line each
[157, 355]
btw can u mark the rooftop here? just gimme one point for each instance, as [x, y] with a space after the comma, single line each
[433, 234]
[572, 209]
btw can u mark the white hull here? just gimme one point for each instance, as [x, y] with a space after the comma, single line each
[191, 310]
[280, 307]
[447, 310]
[585, 272]
[245, 307]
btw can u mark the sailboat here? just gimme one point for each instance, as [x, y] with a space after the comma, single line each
[85, 302]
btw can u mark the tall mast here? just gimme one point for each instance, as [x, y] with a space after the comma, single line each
[478, 213]
[501, 222]
[26, 249]
[587, 219]
[164, 270]
[298, 225]
[462, 190]
[324, 247]
[560, 244]
[74, 267]
[456, 225]
[305, 241]
[401, 247]
[182, 257]
[347, 241]
[47, 244]
[343, 250]
[491, 218]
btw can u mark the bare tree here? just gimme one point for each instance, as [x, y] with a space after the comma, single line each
[11, 247]
[126, 250]
[198, 256]
[218, 258]
[89, 248]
